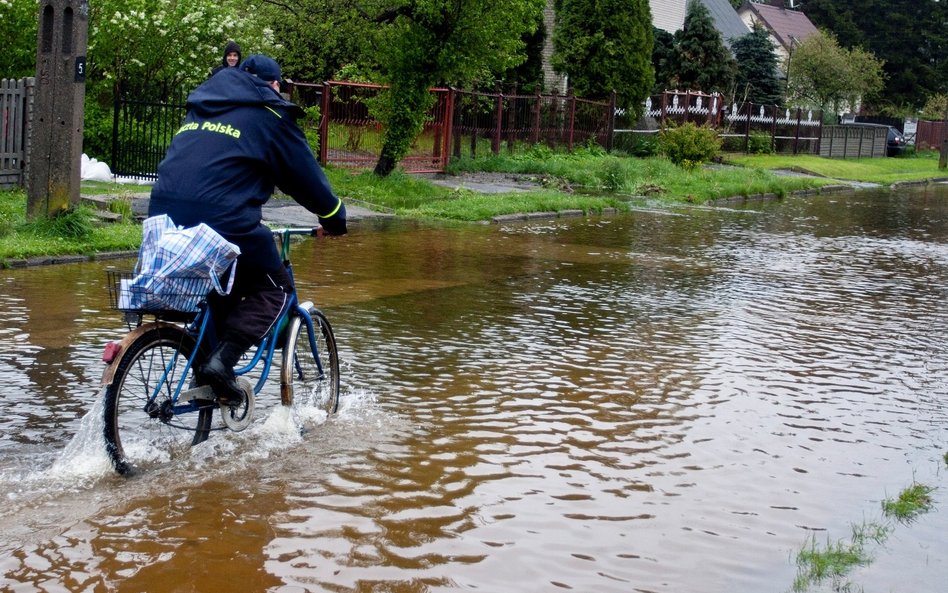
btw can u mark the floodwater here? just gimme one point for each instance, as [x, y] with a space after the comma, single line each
[669, 400]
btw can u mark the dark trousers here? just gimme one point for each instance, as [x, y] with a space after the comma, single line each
[254, 304]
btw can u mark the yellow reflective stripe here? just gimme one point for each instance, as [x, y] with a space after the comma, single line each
[333, 213]
[274, 112]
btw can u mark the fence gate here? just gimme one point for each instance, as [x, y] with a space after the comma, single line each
[142, 130]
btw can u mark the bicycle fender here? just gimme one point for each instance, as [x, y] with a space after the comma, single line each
[109, 373]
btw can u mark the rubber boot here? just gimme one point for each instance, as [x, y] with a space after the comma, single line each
[218, 372]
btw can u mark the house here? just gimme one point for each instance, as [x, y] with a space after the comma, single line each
[786, 27]
[670, 16]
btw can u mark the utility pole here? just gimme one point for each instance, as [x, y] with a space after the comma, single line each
[53, 175]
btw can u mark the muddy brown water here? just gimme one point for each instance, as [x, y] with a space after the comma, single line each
[669, 400]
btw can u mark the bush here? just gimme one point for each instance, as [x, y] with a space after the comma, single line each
[688, 145]
[760, 143]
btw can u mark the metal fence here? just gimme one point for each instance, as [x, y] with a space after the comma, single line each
[461, 122]
[15, 97]
[142, 129]
[789, 131]
[558, 121]
[747, 127]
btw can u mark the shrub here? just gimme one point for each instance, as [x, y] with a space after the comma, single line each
[760, 143]
[688, 145]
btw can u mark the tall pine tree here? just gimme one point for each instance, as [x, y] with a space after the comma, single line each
[605, 45]
[704, 63]
[756, 79]
[663, 61]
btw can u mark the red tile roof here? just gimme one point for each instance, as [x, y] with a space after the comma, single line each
[785, 25]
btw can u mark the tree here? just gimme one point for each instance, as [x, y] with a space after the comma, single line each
[318, 38]
[604, 46]
[910, 36]
[827, 76]
[154, 47]
[663, 61]
[423, 43]
[704, 63]
[756, 79]
[18, 23]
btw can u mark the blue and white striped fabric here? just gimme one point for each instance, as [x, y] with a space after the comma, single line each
[177, 267]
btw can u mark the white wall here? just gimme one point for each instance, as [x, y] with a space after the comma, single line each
[668, 14]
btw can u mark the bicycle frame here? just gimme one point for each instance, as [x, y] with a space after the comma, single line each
[264, 351]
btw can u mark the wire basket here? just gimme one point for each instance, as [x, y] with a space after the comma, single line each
[143, 293]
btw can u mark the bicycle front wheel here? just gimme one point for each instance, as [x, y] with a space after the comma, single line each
[142, 425]
[311, 364]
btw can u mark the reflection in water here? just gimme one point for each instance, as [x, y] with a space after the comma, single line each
[664, 401]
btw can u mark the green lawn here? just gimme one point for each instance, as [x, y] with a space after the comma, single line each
[881, 170]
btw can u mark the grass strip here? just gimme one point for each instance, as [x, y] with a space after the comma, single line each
[882, 170]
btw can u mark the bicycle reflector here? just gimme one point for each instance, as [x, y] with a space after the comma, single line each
[112, 350]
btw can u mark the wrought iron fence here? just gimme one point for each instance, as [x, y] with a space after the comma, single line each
[142, 129]
[470, 123]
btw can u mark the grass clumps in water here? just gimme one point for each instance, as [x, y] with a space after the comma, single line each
[815, 563]
[911, 502]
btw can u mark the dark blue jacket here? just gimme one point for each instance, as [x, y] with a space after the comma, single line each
[239, 140]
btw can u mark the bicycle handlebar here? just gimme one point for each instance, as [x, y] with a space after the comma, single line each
[295, 231]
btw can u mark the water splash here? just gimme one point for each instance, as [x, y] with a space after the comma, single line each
[84, 460]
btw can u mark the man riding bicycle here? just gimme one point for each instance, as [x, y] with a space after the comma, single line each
[239, 141]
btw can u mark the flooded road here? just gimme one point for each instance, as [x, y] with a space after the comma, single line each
[660, 401]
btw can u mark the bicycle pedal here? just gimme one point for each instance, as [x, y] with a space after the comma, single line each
[203, 392]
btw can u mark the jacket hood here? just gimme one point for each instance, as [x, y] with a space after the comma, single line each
[233, 87]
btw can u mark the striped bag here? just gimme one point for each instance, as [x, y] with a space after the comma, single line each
[178, 267]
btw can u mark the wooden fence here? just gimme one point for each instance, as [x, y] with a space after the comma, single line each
[15, 98]
[930, 134]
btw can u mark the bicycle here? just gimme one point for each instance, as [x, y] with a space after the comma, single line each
[154, 407]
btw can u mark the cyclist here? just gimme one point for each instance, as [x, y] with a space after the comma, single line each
[239, 140]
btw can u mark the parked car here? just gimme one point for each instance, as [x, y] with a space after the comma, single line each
[895, 143]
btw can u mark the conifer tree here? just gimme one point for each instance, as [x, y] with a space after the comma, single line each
[605, 45]
[704, 63]
[663, 61]
[756, 79]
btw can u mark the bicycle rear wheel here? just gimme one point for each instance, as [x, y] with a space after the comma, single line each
[141, 426]
[312, 374]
